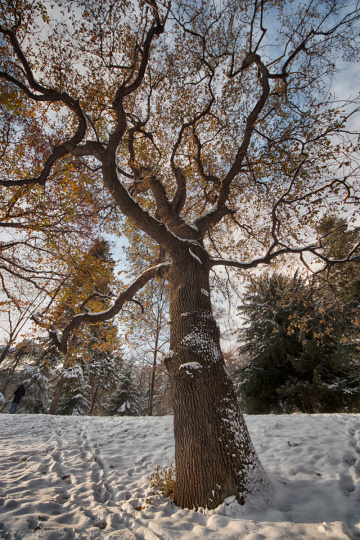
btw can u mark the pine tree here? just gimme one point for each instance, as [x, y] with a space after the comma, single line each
[93, 355]
[342, 281]
[124, 401]
[36, 383]
[74, 399]
[51, 362]
[104, 365]
[295, 358]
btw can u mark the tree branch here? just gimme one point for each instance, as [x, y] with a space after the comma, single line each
[91, 318]
[270, 255]
[263, 260]
[203, 223]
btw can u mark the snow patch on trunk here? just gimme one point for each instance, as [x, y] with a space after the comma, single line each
[204, 344]
[258, 486]
[200, 313]
[195, 256]
[189, 367]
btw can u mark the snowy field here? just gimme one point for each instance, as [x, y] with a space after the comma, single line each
[87, 478]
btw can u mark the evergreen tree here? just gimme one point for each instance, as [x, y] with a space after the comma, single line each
[51, 362]
[25, 361]
[36, 398]
[342, 281]
[124, 401]
[104, 365]
[74, 399]
[97, 346]
[295, 357]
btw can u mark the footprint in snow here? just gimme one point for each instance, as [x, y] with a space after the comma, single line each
[349, 459]
[346, 484]
[95, 474]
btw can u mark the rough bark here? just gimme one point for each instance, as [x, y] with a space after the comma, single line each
[214, 455]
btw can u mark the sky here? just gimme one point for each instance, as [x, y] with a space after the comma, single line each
[86, 478]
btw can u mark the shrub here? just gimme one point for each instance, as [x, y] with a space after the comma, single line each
[163, 481]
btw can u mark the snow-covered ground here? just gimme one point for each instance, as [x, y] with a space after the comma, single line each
[87, 477]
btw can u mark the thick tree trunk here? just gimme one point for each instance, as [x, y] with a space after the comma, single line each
[214, 455]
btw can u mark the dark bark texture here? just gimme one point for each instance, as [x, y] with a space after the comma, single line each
[214, 454]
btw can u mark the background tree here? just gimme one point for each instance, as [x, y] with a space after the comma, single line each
[36, 383]
[341, 281]
[338, 238]
[148, 333]
[75, 390]
[293, 338]
[221, 148]
[19, 354]
[125, 400]
[49, 376]
[104, 365]
[16, 312]
[99, 349]
[92, 278]
[144, 374]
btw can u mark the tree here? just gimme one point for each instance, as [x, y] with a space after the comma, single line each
[99, 349]
[19, 353]
[16, 314]
[125, 400]
[342, 280]
[103, 366]
[36, 399]
[149, 334]
[144, 376]
[75, 391]
[211, 128]
[298, 359]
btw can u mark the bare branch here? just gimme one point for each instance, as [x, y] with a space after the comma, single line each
[203, 223]
[266, 259]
